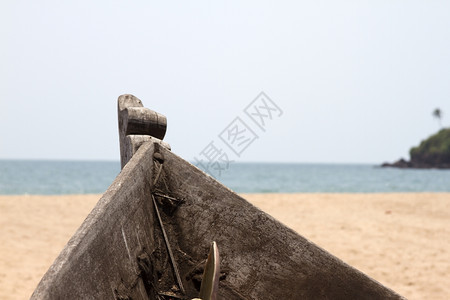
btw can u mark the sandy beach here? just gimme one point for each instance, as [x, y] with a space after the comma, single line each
[401, 240]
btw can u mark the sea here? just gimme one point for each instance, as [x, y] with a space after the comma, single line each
[36, 177]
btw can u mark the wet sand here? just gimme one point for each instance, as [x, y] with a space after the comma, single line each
[401, 240]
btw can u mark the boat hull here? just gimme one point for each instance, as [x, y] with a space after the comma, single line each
[119, 251]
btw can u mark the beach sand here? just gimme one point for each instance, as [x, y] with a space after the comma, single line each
[401, 240]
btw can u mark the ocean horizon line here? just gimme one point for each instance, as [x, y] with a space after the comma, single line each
[36, 177]
[192, 161]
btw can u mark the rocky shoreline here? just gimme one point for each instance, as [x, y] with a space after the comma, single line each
[406, 164]
[432, 153]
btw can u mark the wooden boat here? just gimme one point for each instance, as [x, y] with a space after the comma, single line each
[121, 251]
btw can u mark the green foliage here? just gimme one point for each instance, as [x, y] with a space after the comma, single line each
[435, 149]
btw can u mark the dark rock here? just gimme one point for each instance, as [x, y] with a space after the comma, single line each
[401, 163]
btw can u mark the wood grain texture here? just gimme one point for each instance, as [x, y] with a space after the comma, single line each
[134, 119]
[101, 260]
[263, 258]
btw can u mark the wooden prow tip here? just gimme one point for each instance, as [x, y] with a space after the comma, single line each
[137, 125]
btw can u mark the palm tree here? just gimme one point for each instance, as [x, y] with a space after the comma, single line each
[437, 113]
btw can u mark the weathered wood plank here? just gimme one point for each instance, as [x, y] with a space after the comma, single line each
[263, 258]
[132, 144]
[101, 260]
[136, 120]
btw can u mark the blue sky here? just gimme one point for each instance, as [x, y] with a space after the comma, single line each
[357, 81]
